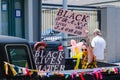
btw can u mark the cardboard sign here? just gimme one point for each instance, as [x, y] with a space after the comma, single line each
[69, 22]
[52, 60]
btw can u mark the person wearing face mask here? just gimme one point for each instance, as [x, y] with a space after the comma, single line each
[88, 58]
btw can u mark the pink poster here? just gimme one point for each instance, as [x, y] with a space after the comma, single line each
[70, 22]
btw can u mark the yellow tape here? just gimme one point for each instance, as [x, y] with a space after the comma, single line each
[6, 68]
[13, 70]
[6, 65]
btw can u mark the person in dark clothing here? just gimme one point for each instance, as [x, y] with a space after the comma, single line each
[40, 53]
[39, 45]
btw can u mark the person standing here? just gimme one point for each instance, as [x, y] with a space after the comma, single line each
[98, 45]
[88, 59]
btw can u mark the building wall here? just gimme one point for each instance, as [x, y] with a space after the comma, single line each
[0, 19]
[110, 27]
[27, 25]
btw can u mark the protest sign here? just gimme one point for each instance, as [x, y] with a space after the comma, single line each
[52, 60]
[69, 22]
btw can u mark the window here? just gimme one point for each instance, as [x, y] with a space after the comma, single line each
[18, 55]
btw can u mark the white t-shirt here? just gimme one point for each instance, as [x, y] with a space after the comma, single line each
[99, 44]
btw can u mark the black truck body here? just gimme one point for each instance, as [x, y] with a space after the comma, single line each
[16, 51]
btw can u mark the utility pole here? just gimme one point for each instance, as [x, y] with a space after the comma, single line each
[37, 16]
[64, 42]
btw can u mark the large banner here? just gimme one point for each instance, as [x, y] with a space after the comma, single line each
[52, 60]
[70, 22]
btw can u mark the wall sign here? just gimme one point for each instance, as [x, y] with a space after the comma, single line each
[4, 6]
[18, 13]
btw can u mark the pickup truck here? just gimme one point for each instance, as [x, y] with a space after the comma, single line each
[16, 52]
[16, 55]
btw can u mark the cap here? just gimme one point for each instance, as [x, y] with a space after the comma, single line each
[60, 48]
[37, 44]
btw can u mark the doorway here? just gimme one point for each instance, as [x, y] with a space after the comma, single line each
[12, 18]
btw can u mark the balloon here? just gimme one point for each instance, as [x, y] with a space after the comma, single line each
[73, 42]
[79, 45]
[75, 47]
[76, 52]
